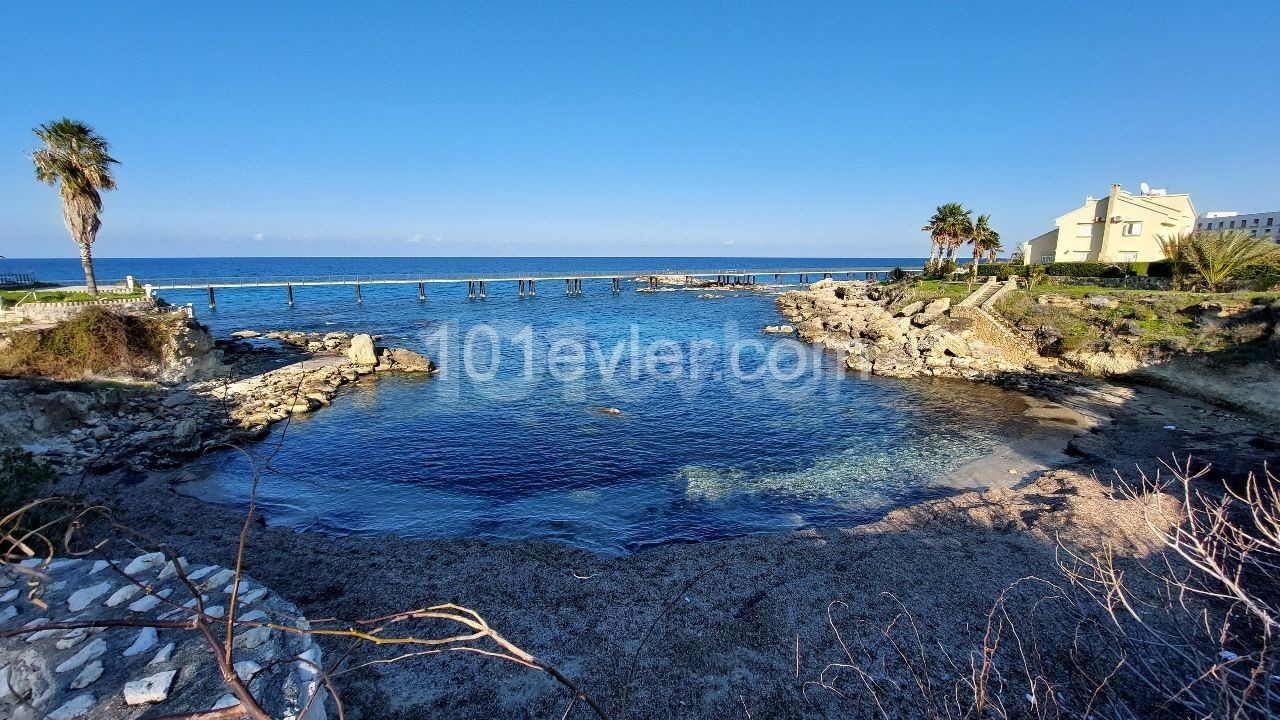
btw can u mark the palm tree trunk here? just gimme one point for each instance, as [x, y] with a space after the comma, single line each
[86, 261]
[976, 256]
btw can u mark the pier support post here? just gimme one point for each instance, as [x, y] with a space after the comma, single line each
[533, 287]
[520, 288]
[422, 290]
[288, 289]
[359, 299]
[471, 289]
[481, 289]
[212, 303]
[568, 287]
[826, 276]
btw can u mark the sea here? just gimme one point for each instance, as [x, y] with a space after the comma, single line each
[607, 420]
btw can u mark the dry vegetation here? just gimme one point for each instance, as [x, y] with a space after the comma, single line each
[97, 341]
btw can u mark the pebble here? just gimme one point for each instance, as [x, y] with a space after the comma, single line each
[122, 594]
[72, 638]
[151, 689]
[94, 649]
[149, 602]
[144, 642]
[245, 669]
[90, 673]
[142, 563]
[81, 598]
[77, 706]
[252, 638]
[163, 656]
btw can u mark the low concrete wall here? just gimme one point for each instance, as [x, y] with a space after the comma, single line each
[59, 311]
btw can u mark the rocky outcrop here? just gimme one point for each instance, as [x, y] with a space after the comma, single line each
[855, 319]
[78, 427]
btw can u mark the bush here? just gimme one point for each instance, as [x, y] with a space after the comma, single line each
[95, 341]
[1078, 269]
[1258, 277]
[1003, 270]
[1160, 268]
[940, 269]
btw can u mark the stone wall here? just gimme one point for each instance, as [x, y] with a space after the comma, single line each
[58, 311]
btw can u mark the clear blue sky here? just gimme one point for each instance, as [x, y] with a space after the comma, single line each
[639, 128]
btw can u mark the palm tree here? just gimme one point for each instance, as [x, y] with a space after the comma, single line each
[948, 228]
[75, 157]
[994, 247]
[984, 239]
[1177, 251]
[1219, 255]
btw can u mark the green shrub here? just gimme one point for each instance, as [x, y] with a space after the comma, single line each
[1077, 269]
[1160, 268]
[1258, 277]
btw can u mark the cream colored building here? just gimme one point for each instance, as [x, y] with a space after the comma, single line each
[1121, 227]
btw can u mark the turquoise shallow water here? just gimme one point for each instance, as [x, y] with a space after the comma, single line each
[508, 443]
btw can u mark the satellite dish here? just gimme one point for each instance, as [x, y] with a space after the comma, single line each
[1145, 188]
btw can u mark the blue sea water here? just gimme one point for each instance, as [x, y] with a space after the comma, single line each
[722, 430]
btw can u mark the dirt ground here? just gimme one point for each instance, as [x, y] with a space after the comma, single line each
[737, 628]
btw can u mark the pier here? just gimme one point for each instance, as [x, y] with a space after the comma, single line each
[524, 285]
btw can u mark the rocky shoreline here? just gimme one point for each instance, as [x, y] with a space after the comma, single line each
[858, 321]
[228, 392]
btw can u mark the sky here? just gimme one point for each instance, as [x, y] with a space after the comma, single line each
[821, 129]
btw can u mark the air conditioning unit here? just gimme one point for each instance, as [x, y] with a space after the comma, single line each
[1100, 218]
[1116, 219]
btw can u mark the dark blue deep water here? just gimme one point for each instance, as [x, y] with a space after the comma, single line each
[508, 442]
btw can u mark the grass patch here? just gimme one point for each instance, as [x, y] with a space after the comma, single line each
[1142, 321]
[927, 290]
[12, 297]
[97, 341]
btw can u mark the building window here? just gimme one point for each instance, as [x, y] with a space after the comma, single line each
[1253, 233]
[1269, 221]
[1084, 230]
[1219, 224]
[1046, 259]
[1233, 223]
[1128, 256]
[1133, 228]
[1255, 221]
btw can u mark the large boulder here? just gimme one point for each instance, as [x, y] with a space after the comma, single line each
[932, 311]
[361, 351]
[402, 360]
[911, 309]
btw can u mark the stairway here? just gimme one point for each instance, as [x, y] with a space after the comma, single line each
[979, 297]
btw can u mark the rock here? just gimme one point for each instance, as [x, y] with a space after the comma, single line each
[1100, 302]
[607, 410]
[931, 312]
[94, 649]
[245, 334]
[87, 676]
[77, 706]
[80, 599]
[402, 360]
[145, 641]
[361, 351]
[151, 689]
[911, 309]
[779, 329]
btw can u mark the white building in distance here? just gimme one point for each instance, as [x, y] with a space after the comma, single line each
[1263, 225]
